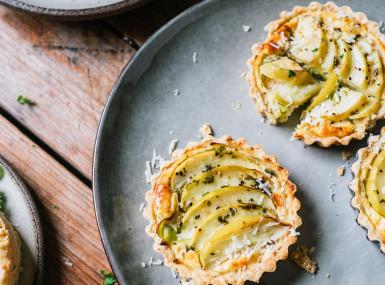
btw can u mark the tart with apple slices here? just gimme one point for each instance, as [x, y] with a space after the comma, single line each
[222, 212]
[368, 186]
[327, 59]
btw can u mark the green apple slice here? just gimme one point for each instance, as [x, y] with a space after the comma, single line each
[218, 177]
[309, 41]
[346, 103]
[328, 88]
[248, 235]
[343, 58]
[359, 69]
[199, 162]
[166, 231]
[288, 95]
[375, 80]
[218, 199]
[224, 216]
[375, 184]
[285, 70]
[331, 53]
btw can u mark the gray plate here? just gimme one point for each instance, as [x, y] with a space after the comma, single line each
[23, 215]
[143, 109]
[74, 9]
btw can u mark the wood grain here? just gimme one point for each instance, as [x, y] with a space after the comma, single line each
[68, 69]
[139, 24]
[66, 207]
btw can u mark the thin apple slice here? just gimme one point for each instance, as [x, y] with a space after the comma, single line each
[375, 80]
[218, 199]
[343, 58]
[288, 95]
[331, 53]
[347, 101]
[375, 184]
[309, 41]
[224, 216]
[285, 70]
[328, 88]
[245, 236]
[218, 177]
[198, 163]
[358, 70]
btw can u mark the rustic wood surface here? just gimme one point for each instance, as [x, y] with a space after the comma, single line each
[67, 69]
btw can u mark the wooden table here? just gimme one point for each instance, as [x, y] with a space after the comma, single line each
[68, 70]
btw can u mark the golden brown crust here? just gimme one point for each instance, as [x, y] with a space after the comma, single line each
[287, 206]
[325, 136]
[367, 216]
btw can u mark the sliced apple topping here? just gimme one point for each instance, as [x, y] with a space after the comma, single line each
[327, 88]
[359, 69]
[309, 44]
[218, 199]
[215, 178]
[344, 102]
[285, 70]
[375, 184]
[331, 53]
[342, 60]
[245, 236]
[222, 217]
[215, 157]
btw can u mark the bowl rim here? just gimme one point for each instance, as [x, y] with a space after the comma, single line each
[38, 230]
[97, 146]
[75, 14]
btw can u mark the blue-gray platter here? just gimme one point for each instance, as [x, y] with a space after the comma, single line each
[143, 114]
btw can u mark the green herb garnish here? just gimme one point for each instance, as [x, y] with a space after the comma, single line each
[108, 277]
[314, 50]
[24, 100]
[269, 171]
[1, 172]
[291, 73]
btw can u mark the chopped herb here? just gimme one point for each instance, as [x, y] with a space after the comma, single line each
[24, 100]
[207, 167]
[208, 203]
[314, 50]
[291, 73]
[1, 172]
[219, 151]
[341, 56]
[271, 172]
[55, 206]
[108, 277]
[208, 179]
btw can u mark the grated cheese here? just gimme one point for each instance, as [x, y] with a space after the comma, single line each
[246, 28]
[172, 146]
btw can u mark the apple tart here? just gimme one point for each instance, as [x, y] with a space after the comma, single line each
[222, 212]
[328, 60]
[368, 186]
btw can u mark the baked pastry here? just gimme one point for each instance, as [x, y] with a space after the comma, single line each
[10, 256]
[222, 212]
[327, 58]
[368, 187]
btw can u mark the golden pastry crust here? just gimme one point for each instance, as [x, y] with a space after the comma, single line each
[10, 256]
[368, 217]
[163, 204]
[323, 133]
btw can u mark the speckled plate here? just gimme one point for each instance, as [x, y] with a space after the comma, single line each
[22, 213]
[74, 9]
[142, 110]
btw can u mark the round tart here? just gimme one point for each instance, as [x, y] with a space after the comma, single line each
[327, 59]
[10, 256]
[368, 186]
[222, 212]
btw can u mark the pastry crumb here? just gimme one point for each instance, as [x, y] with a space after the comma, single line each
[302, 256]
[172, 146]
[346, 155]
[206, 130]
[246, 28]
[341, 170]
